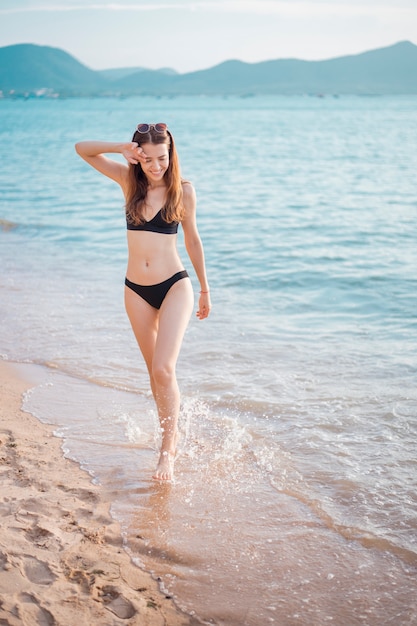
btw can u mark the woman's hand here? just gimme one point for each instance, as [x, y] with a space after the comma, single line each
[133, 153]
[204, 306]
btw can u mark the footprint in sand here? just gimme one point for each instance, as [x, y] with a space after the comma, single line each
[116, 603]
[4, 562]
[43, 538]
[31, 612]
[5, 509]
[83, 494]
[37, 571]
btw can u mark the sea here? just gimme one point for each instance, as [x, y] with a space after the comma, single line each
[295, 495]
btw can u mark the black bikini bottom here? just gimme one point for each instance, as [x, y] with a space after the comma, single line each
[155, 294]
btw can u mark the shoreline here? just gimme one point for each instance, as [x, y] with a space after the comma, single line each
[62, 559]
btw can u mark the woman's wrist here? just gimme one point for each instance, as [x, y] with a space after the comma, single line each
[205, 291]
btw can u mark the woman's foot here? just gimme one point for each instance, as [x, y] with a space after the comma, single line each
[165, 468]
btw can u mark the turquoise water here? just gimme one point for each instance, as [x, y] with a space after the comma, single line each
[295, 498]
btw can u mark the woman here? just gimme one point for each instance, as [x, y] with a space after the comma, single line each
[158, 294]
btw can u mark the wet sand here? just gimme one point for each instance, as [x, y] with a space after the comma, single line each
[61, 555]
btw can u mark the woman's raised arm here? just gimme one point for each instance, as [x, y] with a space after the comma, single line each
[93, 152]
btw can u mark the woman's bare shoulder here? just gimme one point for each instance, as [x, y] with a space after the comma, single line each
[188, 190]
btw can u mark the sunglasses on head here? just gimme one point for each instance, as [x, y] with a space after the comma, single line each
[160, 127]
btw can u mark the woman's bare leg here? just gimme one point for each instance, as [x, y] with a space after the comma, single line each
[144, 320]
[159, 335]
[174, 316]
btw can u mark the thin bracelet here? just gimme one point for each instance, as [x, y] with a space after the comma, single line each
[205, 291]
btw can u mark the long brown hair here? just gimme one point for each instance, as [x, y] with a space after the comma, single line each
[173, 210]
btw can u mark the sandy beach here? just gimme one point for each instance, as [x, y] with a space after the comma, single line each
[61, 556]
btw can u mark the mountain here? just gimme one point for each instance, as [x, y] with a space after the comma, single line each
[122, 72]
[391, 70]
[27, 68]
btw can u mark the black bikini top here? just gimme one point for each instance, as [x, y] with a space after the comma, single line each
[156, 225]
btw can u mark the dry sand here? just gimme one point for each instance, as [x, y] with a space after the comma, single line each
[61, 557]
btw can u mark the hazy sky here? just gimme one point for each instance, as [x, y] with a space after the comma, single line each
[189, 35]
